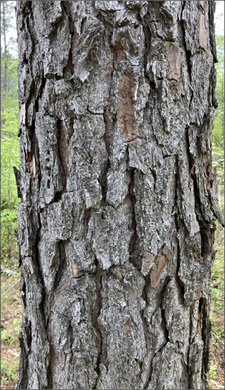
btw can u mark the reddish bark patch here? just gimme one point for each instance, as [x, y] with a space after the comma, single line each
[121, 275]
[198, 290]
[30, 163]
[173, 56]
[127, 327]
[156, 273]
[203, 27]
[206, 166]
[119, 52]
[148, 258]
[125, 111]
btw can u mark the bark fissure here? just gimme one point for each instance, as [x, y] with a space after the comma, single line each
[107, 139]
[146, 331]
[62, 263]
[62, 151]
[211, 11]
[187, 51]
[166, 330]
[50, 368]
[147, 51]
[96, 314]
[205, 333]
[68, 70]
[133, 245]
[38, 271]
[158, 351]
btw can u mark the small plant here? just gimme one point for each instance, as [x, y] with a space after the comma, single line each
[11, 311]
[11, 336]
[8, 286]
[5, 337]
[8, 371]
[212, 371]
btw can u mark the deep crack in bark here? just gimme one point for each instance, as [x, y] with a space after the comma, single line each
[96, 314]
[187, 52]
[107, 163]
[68, 70]
[62, 263]
[62, 152]
[146, 329]
[133, 250]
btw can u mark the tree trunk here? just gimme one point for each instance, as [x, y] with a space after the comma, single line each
[6, 86]
[118, 205]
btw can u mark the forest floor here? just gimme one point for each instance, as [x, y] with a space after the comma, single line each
[11, 313]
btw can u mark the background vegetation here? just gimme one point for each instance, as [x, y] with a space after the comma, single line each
[11, 308]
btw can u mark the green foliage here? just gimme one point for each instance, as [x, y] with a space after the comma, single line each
[218, 130]
[212, 371]
[8, 292]
[10, 156]
[11, 311]
[8, 371]
[218, 160]
[217, 306]
[10, 98]
[11, 336]
[217, 283]
[8, 240]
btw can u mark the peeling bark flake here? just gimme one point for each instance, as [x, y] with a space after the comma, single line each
[73, 270]
[22, 120]
[121, 275]
[173, 56]
[125, 112]
[203, 25]
[127, 327]
[156, 273]
[147, 261]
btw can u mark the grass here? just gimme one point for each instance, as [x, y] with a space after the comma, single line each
[11, 312]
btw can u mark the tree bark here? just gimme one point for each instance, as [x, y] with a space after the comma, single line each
[118, 202]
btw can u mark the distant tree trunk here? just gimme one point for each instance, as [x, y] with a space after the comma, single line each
[118, 205]
[6, 87]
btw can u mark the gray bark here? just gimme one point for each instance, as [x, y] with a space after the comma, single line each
[118, 202]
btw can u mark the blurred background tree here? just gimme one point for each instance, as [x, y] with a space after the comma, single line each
[9, 128]
[218, 131]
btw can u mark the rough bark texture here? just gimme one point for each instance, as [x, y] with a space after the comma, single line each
[118, 202]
